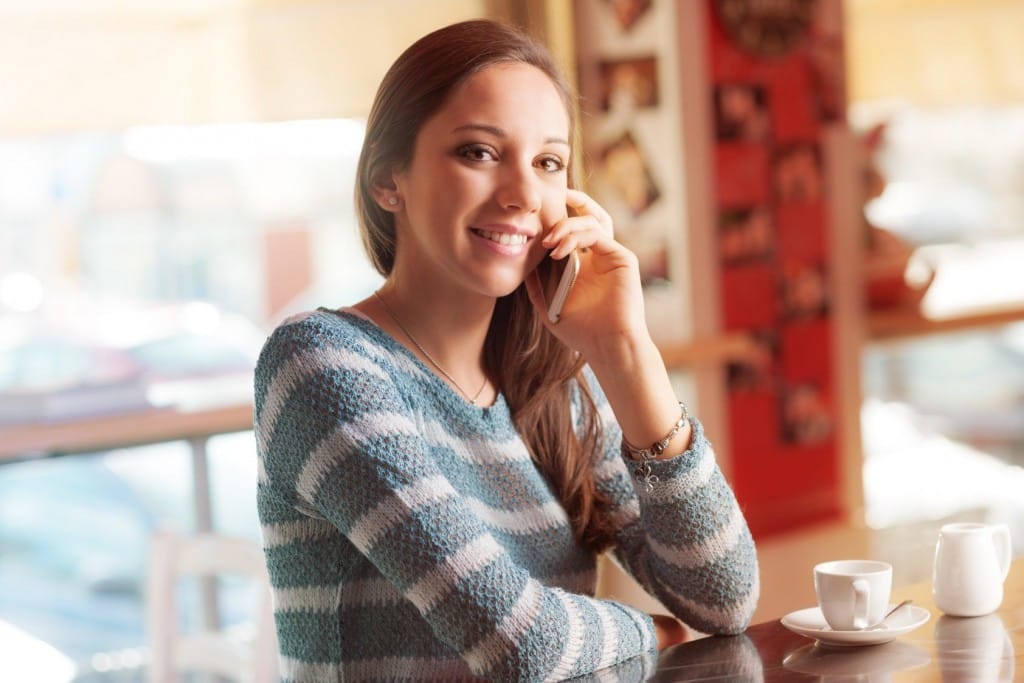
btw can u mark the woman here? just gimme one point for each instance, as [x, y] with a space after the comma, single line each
[438, 467]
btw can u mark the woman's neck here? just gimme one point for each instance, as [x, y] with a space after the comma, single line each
[447, 330]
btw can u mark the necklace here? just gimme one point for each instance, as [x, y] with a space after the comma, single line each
[471, 399]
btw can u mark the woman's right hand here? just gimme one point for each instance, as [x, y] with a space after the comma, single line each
[669, 630]
[607, 300]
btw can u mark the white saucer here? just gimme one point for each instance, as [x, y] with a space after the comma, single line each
[811, 623]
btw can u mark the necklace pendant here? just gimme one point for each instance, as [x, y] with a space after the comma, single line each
[472, 399]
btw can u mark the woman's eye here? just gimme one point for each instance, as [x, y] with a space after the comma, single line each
[551, 164]
[477, 153]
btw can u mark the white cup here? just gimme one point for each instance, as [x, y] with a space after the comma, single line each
[853, 594]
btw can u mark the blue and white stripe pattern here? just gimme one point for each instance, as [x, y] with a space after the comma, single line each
[409, 536]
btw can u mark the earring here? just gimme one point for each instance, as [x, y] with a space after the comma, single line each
[392, 201]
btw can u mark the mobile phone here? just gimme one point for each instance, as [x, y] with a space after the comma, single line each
[570, 270]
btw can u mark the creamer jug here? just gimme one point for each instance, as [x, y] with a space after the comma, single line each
[971, 563]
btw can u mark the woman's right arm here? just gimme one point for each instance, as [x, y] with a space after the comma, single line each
[336, 434]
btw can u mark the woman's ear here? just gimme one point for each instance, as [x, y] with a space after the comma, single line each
[385, 192]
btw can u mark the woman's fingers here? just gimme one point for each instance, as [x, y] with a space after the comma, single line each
[573, 232]
[566, 244]
[589, 223]
[566, 240]
[584, 204]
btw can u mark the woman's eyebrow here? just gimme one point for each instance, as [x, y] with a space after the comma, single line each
[500, 133]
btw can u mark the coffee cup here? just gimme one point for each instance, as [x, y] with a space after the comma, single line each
[853, 594]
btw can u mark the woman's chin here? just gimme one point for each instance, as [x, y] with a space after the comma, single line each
[504, 289]
[503, 284]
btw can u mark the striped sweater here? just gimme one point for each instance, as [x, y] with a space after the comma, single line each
[409, 536]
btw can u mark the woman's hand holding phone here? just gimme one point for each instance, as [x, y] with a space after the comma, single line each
[605, 300]
[603, 319]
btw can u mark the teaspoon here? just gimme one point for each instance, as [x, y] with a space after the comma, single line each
[889, 614]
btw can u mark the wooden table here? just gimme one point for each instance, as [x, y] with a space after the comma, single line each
[946, 649]
[89, 435]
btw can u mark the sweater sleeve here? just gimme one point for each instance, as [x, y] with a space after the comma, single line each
[685, 540]
[340, 441]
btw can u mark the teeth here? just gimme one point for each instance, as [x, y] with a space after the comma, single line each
[503, 237]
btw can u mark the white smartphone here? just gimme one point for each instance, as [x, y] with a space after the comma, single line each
[570, 270]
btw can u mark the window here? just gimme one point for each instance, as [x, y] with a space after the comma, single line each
[144, 268]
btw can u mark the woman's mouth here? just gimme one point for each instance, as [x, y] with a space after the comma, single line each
[503, 238]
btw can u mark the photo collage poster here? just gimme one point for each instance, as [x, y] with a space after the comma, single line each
[776, 79]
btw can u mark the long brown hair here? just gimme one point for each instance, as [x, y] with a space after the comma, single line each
[532, 368]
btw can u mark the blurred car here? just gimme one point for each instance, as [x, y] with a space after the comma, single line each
[54, 374]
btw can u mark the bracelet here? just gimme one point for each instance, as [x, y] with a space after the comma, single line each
[646, 455]
[658, 447]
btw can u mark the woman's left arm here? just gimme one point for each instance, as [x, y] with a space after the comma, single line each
[684, 536]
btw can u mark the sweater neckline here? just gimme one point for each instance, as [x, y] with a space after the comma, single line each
[455, 398]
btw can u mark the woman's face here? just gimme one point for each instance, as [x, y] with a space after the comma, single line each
[487, 178]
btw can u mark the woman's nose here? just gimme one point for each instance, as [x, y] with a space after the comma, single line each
[518, 189]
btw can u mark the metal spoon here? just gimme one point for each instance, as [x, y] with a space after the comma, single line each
[888, 614]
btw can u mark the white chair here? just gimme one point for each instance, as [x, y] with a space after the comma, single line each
[173, 557]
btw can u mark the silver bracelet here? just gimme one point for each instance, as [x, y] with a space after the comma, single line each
[646, 455]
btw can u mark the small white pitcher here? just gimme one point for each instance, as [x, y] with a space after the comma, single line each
[971, 563]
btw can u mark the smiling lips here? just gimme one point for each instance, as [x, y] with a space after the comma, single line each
[504, 238]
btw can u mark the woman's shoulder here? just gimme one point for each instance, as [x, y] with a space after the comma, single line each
[341, 337]
[336, 354]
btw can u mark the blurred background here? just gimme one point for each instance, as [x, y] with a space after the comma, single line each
[176, 178]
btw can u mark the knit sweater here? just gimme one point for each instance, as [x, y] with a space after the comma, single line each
[409, 535]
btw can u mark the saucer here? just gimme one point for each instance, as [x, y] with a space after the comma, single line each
[811, 623]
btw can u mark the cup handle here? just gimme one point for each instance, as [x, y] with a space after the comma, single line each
[861, 592]
[1001, 539]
